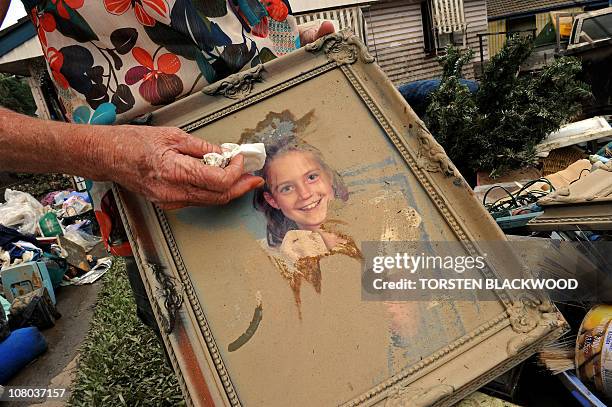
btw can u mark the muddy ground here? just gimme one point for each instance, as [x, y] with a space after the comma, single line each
[54, 369]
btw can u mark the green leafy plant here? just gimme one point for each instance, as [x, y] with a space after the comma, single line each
[16, 95]
[121, 361]
[497, 128]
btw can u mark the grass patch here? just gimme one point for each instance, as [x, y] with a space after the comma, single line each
[39, 185]
[121, 362]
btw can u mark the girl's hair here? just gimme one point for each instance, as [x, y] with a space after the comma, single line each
[278, 223]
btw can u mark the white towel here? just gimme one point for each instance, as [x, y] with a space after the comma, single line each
[254, 156]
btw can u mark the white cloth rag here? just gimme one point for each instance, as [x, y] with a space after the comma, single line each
[254, 156]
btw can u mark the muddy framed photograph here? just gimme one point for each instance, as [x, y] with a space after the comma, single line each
[261, 301]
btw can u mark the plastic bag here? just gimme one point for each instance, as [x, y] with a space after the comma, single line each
[21, 211]
[75, 205]
[85, 240]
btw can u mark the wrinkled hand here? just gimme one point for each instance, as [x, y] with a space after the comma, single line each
[308, 35]
[164, 164]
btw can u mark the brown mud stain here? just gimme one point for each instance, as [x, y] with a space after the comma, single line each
[308, 269]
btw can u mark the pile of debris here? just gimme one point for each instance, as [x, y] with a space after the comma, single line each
[44, 245]
[566, 202]
[573, 157]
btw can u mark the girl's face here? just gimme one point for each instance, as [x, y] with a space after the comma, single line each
[300, 187]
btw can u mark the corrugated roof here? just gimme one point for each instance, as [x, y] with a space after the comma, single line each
[505, 8]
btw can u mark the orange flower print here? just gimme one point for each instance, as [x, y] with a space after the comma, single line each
[45, 23]
[61, 6]
[56, 61]
[277, 10]
[159, 85]
[144, 9]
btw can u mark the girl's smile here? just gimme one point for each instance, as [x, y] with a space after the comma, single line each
[300, 188]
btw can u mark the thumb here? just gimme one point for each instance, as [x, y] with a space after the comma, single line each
[327, 27]
[245, 184]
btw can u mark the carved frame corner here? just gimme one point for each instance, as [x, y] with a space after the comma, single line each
[237, 86]
[431, 155]
[532, 318]
[342, 47]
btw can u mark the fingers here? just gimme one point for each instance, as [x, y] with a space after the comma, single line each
[233, 171]
[196, 173]
[307, 36]
[198, 197]
[243, 185]
[327, 27]
[311, 34]
[196, 147]
[192, 172]
[184, 180]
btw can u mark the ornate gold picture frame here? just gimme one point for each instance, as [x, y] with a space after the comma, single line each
[259, 310]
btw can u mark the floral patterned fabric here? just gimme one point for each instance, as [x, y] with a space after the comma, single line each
[114, 60]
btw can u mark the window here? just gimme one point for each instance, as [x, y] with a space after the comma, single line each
[454, 38]
[429, 42]
[437, 36]
[598, 27]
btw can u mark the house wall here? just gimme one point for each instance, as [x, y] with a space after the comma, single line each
[395, 37]
[496, 42]
[543, 18]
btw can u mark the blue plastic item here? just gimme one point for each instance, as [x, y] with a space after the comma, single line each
[83, 195]
[579, 391]
[417, 93]
[18, 349]
[26, 277]
[516, 221]
[605, 149]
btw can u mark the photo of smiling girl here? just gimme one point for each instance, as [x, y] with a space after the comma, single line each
[298, 191]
